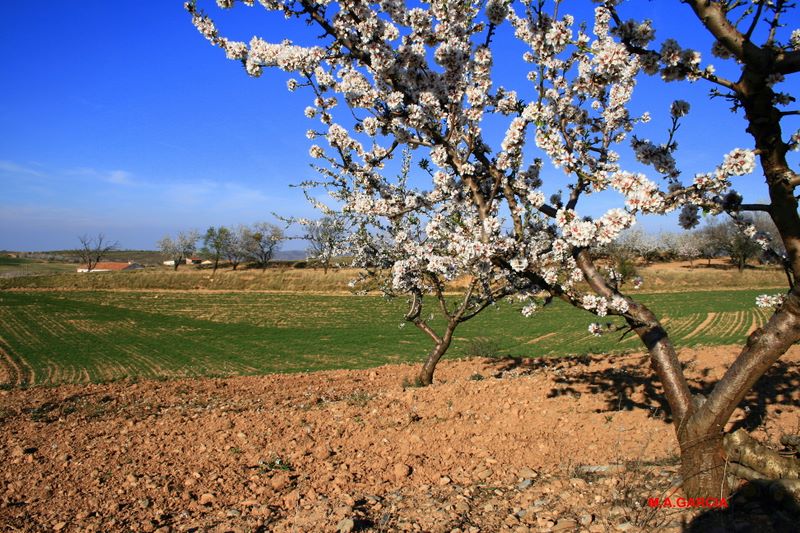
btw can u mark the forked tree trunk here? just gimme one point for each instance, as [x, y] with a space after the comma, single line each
[700, 422]
[428, 368]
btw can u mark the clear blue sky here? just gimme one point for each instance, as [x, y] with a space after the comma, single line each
[119, 117]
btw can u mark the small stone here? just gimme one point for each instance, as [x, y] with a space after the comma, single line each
[401, 471]
[485, 474]
[279, 481]
[586, 519]
[233, 513]
[321, 453]
[206, 499]
[578, 483]
[291, 500]
[544, 523]
[59, 526]
[345, 525]
[601, 469]
[625, 526]
[524, 484]
[527, 473]
[444, 480]
[565, 525]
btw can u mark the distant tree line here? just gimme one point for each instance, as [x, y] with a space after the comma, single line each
[256, 244]
[712, 241]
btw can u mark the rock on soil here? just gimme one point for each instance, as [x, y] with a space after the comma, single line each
[558, 445]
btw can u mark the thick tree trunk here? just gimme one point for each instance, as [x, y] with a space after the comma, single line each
[428, 368]
[703, 464]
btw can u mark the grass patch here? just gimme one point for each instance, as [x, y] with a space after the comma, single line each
[81, 336]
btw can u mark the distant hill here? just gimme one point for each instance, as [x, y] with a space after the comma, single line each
[290, 255]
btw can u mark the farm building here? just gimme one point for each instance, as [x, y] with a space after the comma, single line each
[111, 266]
[185, 261]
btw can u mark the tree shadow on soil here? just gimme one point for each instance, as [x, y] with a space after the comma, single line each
[756, 507]
[630, 384]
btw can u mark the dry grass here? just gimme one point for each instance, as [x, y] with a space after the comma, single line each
[274, 279]
[663, 277]
[672, 277]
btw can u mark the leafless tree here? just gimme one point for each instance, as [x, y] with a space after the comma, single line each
[93, 249]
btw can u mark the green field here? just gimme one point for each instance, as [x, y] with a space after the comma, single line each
[51, 337]
[23, 267]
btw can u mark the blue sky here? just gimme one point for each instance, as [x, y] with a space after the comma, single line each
[119, 117]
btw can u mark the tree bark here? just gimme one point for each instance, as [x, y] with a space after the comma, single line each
[703, 463]
[744, 449]
[428, 368]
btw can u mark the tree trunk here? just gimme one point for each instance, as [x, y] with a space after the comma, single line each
[703, 465]
[428, 368]
[216, 265]
[175, 265]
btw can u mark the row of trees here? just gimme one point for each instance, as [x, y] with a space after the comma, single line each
[385, 78]
[714, 240]
[256, 243]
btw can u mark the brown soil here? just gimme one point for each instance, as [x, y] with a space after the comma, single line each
[493, 445]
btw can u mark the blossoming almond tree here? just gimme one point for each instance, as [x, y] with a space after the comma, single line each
[411, 253]
[421, 78]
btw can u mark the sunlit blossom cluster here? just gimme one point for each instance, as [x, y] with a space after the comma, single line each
[770, 300]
